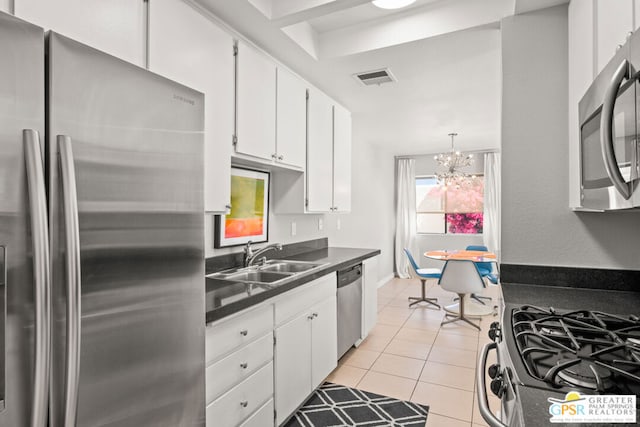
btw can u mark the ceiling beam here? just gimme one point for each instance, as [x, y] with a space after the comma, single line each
[433, 20]
[289, 12]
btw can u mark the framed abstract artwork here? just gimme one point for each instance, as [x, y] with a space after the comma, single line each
[248, 219]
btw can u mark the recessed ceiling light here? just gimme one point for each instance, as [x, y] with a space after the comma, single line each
[392, 4]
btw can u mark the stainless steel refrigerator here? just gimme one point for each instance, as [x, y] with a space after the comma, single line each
[101, 238]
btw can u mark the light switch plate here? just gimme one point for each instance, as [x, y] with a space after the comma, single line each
[338, 223]
[320, 224]
[293, 228]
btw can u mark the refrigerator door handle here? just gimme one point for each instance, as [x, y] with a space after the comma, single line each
[72, 240]
[41, 275]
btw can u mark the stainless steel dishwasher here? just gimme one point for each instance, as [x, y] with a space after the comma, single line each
[349, 307]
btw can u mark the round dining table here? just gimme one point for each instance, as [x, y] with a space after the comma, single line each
[471, 308]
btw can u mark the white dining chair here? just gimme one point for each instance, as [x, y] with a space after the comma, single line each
[462, 277]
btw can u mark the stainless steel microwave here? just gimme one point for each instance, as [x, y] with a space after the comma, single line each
[609, 116]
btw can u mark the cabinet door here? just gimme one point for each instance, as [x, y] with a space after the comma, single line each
[324, 340]
[341, 159]
[5, 6]
[255, 103]
[291, 119]
[614, 22]
[116, 26]
[198, 54]
[320, 153]
[581, 74]
[369, 295]
[292, 365]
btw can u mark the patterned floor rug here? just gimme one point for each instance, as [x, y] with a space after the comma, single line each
[334, 405]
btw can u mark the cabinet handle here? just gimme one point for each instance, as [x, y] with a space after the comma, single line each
[228, 206]
[315, 314]
[244, 403]
[310, 317]
[244, 365]
[280, 157]
[335, 208]
[274, 156]
[244, 332]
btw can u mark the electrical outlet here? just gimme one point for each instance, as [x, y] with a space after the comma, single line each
[320, 224]
[338, 223]
[293, 228]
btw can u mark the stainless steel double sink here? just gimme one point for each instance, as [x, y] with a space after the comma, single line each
[271, 272]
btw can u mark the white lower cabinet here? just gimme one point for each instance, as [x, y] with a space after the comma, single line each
[271, 357]
[369, 294]
[239, 369]
[324, 340]
[239, 403]
[306, 343]
[293, 363]
[262, 417]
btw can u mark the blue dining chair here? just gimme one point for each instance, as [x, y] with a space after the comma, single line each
[485, 269]
[423, 274]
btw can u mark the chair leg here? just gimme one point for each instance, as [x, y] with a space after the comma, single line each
[461, 315]
[479, 298]
[416, 300]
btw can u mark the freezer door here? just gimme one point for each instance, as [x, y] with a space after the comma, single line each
[21, 107]
[133, 146]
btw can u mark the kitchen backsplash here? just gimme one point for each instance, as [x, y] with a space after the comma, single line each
[573, 277]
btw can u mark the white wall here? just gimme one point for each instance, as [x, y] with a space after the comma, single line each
[6, 6]
[371, 223]
[538, 228]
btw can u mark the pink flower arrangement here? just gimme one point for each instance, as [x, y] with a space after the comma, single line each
[465, 223]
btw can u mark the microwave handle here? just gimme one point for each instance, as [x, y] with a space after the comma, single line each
[606, 131]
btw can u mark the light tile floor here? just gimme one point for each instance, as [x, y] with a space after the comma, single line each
[410, 356]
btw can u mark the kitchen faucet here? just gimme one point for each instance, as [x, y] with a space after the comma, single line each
[250, 256]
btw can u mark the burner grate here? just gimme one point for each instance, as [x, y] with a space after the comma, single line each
[587, 349]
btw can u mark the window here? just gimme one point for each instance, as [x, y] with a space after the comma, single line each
[449, 210]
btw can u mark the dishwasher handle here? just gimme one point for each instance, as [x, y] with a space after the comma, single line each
[349, 275]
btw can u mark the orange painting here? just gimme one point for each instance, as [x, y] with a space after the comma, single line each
[240, 227]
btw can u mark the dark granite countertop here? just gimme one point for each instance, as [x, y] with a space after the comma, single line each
[224, 297]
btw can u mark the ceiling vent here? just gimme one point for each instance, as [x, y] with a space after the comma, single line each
[375, 77]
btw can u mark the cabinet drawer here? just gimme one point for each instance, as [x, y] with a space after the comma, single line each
[227, 335]
[241, 401]
[262, 418]
[231, 370]
[301, 299]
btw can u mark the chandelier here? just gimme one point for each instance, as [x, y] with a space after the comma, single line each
[452, 163]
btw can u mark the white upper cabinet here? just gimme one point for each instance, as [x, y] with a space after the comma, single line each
[341, 159]
[5, 6]
[320, 153]
[614, 22]
[596, 29]
[291, 119]
[255, 103]
[115, 26]
[198, 54]
[327, 184]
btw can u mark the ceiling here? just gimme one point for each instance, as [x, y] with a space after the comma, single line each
[445, 55]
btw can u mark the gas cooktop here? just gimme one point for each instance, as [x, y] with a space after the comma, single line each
[586, 350]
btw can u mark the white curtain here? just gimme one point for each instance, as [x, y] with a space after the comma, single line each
[492, 207]
[405, 213]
